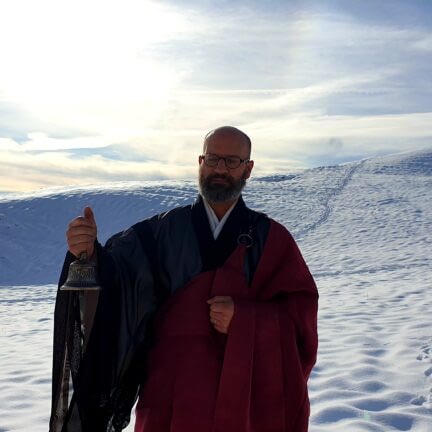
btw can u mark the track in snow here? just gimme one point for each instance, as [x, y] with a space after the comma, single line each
[328, 201]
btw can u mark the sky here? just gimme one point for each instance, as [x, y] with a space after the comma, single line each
[102, 91]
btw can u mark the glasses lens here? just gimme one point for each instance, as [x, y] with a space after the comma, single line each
[211, 160]
[232, 162]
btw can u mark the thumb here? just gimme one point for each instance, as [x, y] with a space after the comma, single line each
[88, 214]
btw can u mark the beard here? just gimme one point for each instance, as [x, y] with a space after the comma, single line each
[218, 192]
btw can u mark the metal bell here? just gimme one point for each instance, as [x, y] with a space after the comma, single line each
[82, 276]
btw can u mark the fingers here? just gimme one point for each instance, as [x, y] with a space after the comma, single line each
[220, 299]
[216, 321]
[77, 240]
[221, 307]
[78, 230]
[225, 307]
[221, 304]
[221, 312]
[218, 317]
[81, 234]
[220, 326]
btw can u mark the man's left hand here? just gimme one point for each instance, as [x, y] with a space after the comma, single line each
[221, 312]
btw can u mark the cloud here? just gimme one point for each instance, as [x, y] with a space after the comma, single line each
[22, 170]
[41, 142]
[133, 92]
[9, 145]
[94, 78]
[300, 141]
[423, 43]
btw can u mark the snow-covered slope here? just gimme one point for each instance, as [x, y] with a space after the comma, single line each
[380, 203]
[365, 231]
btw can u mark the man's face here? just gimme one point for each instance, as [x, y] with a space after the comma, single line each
[219, 183]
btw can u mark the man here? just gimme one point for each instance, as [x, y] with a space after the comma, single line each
[207, 315]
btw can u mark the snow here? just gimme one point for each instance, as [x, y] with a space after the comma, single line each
[364, 229]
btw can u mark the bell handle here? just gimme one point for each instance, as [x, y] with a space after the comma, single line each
[83, 256]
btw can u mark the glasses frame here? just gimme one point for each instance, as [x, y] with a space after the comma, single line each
[203, 157]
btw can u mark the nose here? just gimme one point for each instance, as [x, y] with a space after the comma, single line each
[221, 166]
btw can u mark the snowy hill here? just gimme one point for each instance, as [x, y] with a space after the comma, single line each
[357, 209]
[365, 231]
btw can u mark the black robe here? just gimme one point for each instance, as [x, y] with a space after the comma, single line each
[105, 349]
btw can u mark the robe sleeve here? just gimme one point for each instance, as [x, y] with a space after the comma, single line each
[106, 375]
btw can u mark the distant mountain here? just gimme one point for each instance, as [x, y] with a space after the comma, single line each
[360, 216]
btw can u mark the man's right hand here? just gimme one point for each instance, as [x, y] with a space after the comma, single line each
[81, 234]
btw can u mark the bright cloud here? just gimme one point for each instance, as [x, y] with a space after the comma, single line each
[22, 170]
[84, 64]
[93, 91]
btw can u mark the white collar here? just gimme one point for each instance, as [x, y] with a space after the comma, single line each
[216, 225]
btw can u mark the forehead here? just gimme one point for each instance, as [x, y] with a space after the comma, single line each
[226, 144]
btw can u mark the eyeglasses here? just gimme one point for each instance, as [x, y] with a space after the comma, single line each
[231, 162]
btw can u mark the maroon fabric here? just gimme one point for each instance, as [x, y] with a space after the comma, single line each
[254, 379]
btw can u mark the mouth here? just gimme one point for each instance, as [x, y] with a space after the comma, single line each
[219, 180]
[220, 183]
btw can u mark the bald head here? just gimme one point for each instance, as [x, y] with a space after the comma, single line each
[228, 132]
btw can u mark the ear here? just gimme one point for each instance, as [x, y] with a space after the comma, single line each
[249, 167]
[200, 159]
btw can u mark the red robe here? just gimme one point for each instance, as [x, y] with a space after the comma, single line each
[255, 378]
